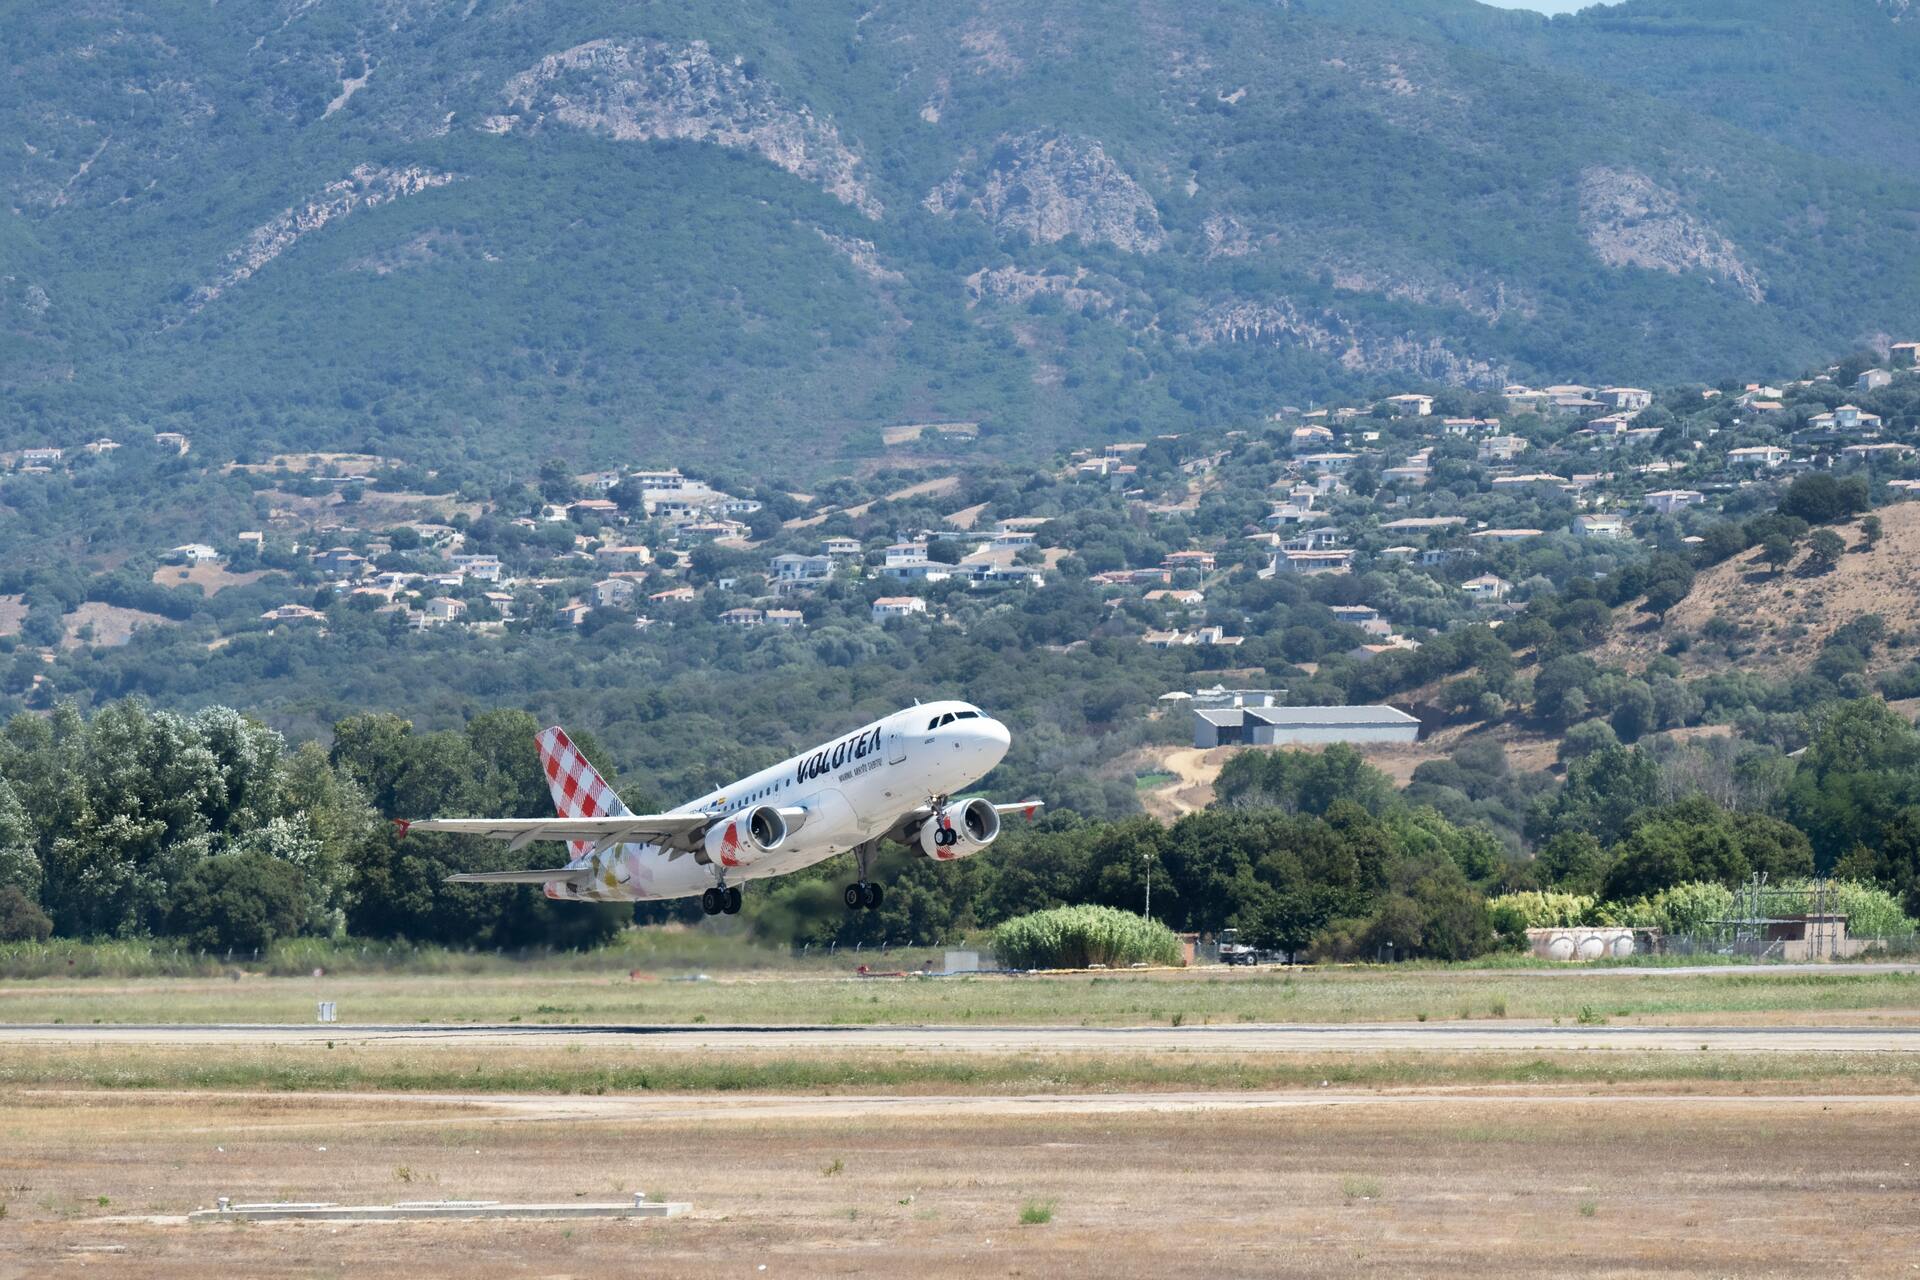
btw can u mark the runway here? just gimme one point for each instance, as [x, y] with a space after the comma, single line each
[1440, 1037]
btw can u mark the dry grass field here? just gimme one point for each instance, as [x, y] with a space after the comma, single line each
[533, 994]
[1464, 1183]
[1153, 1155]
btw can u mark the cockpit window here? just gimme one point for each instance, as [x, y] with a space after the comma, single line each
[966, 715]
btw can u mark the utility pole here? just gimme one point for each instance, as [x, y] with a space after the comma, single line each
[1149, 886]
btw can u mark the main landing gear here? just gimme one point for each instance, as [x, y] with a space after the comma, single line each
[721, 898]
[863, 892]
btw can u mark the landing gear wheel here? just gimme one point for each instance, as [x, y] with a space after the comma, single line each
[855, 897]
[946, 837]
[732, 903]
[713, 901]
[870, 896]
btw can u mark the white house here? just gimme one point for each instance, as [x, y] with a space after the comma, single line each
[1502, 448]
[1629, 399]
[1758, 455]
[1411, 405]
[897, 607]
[1600, 526]
[1668, 501]
[613, 593]
[1487, 588]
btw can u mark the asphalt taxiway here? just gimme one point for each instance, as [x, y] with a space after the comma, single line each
[1442, 1037]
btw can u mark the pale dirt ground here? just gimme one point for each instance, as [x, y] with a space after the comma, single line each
[112, 625]
[1881, 581]
[1196, 771]
[209, 577]
[928, 488]
[1420, 1185]
[913, 431]
[13, 612]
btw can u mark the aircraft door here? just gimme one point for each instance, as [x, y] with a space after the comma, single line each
[896, 745]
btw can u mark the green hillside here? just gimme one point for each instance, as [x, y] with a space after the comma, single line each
[466, 234]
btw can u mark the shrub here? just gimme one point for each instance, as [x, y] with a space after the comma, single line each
[1546, 909]
[21, 919]
[239, 901]
[1077, 937]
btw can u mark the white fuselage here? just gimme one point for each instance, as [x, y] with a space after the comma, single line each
[850, 790]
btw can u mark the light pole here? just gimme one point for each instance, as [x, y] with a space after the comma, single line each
[1149, 861]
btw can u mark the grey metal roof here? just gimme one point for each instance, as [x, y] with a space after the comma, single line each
[1321, 717]
[1224, 717]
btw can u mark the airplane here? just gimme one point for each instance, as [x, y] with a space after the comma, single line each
[892, 779]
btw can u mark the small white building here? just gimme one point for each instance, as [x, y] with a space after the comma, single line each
[1600, 526]
[1668, 501]
[1758, 455]
[1488, 588]
[897, 607]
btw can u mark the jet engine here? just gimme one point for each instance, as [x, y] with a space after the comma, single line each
[966, 828]
[743, 837]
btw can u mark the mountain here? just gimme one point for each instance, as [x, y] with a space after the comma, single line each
[762, 232]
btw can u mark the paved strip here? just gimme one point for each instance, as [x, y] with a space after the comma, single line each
[341, 1111]
[1447, 1037]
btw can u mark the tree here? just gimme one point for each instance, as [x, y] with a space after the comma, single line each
[1777, 551]
[238, 902]
[1871, 529]
[21, 919]
[1824, 549]
[1820, 498]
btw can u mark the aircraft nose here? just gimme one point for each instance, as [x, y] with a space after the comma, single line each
[994, 738]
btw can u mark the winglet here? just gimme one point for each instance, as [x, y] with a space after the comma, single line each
[404, 824]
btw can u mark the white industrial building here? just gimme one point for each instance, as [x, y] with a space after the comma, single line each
[1300, 726]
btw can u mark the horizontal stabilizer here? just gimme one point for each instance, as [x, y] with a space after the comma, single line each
[601, 832]
[520, 877]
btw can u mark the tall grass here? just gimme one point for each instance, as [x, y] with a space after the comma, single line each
[658, 947]
[1080, 937]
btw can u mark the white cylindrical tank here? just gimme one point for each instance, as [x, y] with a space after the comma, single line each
[1560, 947]
[1591, 947]
[1622, 946]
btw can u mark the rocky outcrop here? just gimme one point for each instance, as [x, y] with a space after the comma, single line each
[1047, 187]
[367, 187]
[1279, 322]
[864, 257]
[1632, 221]
[1016, 286]
[648, 90]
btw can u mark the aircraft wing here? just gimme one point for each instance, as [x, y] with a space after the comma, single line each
[602, 832]
[520, 877]
[912, 818]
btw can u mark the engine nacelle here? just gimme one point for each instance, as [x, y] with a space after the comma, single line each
[964, 830]
[745, 836]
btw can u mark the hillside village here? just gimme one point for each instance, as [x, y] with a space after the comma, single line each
[1295, 551]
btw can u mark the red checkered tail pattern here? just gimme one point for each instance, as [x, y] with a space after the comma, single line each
[578, 789]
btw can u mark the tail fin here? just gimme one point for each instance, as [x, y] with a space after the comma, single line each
[578, 789]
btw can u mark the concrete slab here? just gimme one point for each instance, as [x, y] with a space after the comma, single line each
[293, 1211]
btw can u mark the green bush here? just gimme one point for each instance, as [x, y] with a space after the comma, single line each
[21, 919]
[1078, 937]
[239, 901]
[1545, 908]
